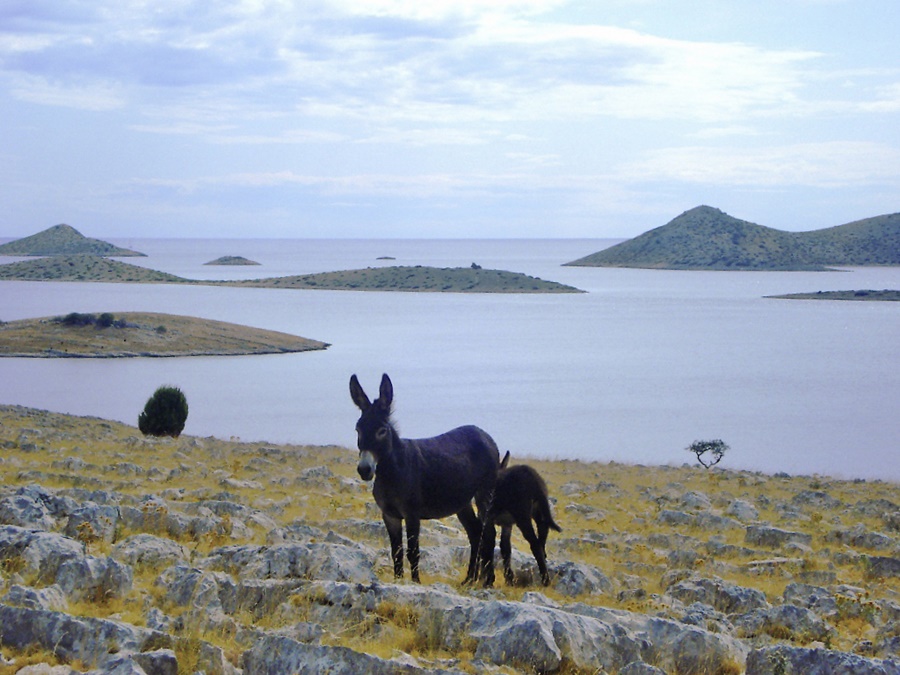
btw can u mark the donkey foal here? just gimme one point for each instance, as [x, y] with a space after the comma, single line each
[520, 496]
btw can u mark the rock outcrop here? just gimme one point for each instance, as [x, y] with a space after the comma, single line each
[230, 577]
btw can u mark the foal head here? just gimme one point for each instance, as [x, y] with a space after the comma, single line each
[373, 430]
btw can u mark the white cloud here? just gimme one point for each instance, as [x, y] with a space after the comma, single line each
[96, 96]
[823, 165]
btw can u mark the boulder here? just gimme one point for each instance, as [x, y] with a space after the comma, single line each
[773, 537]
[744, 511]
[147, 550]
[815, 598]
[787, 659]
[296, 561]
[40, 553]
[95, 641]
[93, 522]
[726, 597]
[50, 597]
[277, 654]
[696, 501]
[26, 511]
[573, 579]
[94, 579]
[817, 499]
[877, 567]
[784, 622]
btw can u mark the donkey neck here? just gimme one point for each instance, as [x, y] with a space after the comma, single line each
[400, 457]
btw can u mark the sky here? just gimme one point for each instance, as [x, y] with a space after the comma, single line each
[463, 118]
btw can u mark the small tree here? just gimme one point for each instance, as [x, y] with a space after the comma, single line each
[165, 413]
[716, 450]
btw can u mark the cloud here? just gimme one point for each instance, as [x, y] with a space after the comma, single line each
[94, 95]
[822, 165]
[406, 61]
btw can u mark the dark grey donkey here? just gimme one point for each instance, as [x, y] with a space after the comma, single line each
[426, 478]
[520, 496]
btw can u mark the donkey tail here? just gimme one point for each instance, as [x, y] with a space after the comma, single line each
[547, 517]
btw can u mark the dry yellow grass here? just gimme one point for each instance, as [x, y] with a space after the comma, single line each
[608, 512]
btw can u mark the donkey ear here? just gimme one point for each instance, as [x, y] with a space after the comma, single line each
[358, 395]
[505, 461]
[386, 392]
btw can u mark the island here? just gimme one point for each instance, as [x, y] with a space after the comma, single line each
[418, 278]
[706, 238]
[141, 334]
[862, 295]
[232, 260]
[415, 279]
[63, 240]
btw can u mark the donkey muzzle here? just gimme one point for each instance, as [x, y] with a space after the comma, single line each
[366, 466]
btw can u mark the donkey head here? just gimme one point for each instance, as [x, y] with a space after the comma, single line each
[373, 430]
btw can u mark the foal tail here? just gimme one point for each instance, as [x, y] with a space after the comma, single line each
[544, 508]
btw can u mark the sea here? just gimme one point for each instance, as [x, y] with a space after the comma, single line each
[634, 370]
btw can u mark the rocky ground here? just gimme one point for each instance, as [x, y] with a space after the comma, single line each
[121, 554]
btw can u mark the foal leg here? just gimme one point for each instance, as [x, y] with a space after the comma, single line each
[395, 534]
[412, 546]
[506, 552]
[537, 549]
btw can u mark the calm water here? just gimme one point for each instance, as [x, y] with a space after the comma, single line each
[634, 370]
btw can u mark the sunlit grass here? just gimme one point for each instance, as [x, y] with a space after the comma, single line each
[609, 513]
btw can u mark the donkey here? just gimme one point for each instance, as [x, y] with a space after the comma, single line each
[427, 478]
[520, 496]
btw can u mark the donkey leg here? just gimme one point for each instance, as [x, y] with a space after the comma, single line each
[486, 554]
[473, 531]
[412, 546]
[537, 549]
[395, 534]
[543, 529]
[506, 552]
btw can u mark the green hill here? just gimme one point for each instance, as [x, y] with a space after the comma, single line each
[83, 268]
[418, 278]
[62, 240]
[709, 239]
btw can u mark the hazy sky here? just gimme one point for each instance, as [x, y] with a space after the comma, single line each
[418, 118]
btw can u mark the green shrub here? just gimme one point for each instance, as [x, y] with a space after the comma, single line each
[165, 413]
[77, 319]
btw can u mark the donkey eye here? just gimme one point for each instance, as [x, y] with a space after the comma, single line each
[381, 434]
